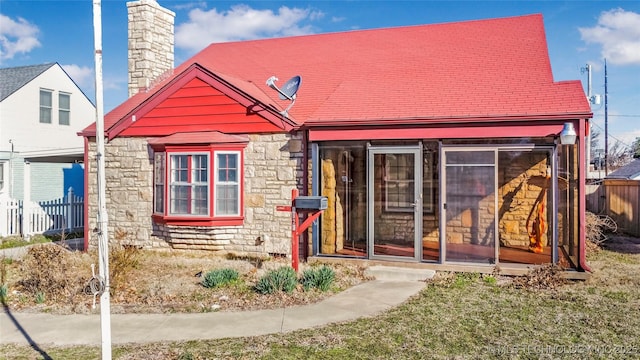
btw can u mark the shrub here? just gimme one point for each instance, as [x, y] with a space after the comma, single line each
[40, 297]
[281, 279]
[219, 277]
[320, 278]
[123, 259]
[47, 269]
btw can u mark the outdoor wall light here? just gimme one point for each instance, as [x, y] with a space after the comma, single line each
[568, 134]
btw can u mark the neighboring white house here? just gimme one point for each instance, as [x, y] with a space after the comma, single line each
[41, 111]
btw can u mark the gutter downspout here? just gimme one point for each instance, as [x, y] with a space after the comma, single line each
[582, 198]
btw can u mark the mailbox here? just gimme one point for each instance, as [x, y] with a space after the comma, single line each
[311, 202]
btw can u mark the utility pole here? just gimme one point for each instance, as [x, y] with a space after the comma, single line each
[103, 242]
[593, 100]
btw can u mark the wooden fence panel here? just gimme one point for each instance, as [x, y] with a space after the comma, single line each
[596, 199]
[623, 204]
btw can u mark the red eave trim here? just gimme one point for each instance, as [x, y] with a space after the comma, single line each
[452, 132]
[310, 124]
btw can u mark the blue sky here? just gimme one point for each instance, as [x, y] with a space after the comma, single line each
[578, 33]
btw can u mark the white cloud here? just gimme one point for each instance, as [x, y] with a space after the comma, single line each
[618, 32]
[82, 75]
[241, 22]
[190, 5]
[16, 36]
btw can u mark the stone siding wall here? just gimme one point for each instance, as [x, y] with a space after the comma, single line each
[521, 181]
[272, 168]
[151, 43]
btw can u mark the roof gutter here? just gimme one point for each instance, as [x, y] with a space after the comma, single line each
[445, 120]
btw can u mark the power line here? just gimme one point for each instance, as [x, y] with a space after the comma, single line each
[611, 136]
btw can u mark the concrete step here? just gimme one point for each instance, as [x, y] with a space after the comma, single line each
[393, 273]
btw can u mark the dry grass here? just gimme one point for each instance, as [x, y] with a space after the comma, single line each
[457, 316]
[150, 282]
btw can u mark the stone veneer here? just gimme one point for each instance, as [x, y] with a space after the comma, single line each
[272, 168]
[151, 42]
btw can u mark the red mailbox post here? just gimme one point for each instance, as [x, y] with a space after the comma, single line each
[298, 229]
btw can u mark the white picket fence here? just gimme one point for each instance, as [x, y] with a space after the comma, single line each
[64, 214]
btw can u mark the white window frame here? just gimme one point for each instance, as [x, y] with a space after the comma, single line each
[190, 183]
[159, 182]
[46, 108]
[64, 111]
[217, 182]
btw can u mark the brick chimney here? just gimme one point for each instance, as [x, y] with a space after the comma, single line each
[150, 43]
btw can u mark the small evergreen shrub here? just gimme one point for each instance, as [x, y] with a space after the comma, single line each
[4, 292]
[219, 277]
[320, 278]
[281, 279]
[40, 297]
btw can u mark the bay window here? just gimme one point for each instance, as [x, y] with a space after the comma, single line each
[198, 185]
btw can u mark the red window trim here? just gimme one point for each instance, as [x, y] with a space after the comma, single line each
[199, 220]
[192, 221]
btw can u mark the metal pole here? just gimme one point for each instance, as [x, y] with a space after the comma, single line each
[295, 236]
[103, 244]
[606, 123]
[588, 137]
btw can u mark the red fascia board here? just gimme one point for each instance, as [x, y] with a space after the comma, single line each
[446, 120]
[451, 132]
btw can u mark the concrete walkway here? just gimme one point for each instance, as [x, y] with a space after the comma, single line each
[363, 300]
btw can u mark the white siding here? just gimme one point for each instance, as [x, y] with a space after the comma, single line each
[20, 115]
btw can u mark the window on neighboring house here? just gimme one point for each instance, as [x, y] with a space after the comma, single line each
[202, 186]
[46, 105]
[64, 108]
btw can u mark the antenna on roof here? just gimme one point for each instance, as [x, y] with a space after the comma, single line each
[288, 91]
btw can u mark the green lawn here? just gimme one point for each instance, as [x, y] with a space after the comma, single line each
[463, 316]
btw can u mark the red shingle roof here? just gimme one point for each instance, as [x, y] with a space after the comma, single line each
[474, 70]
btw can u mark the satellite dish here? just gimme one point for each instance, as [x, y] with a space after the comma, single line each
[288, 91]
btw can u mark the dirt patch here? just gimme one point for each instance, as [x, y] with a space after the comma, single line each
[152, 282]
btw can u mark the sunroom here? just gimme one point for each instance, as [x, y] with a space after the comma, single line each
[421, 195]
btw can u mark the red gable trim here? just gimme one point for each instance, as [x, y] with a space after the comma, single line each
[196, 71]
